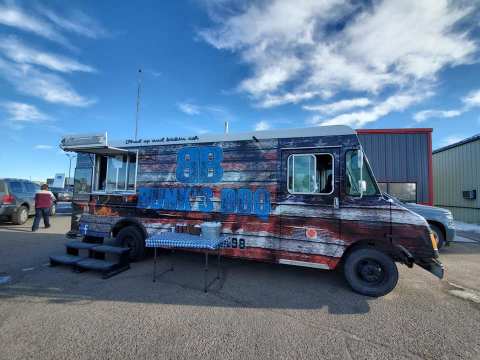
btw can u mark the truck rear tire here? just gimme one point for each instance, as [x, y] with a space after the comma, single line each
[370, 272]
[132, 237]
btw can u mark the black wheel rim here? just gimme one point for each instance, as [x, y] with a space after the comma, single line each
[129, 242]
[371, 271]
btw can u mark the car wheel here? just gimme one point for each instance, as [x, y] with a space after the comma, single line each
[370, 272]
[53, 210]
[438, 233]
[20, 217]
[132, 238]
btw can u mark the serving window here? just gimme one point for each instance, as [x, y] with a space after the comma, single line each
[310, 174]
[115, 173]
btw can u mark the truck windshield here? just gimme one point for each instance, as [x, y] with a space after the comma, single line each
[353, 176]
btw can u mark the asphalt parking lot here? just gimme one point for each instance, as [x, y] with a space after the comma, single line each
[257, 311]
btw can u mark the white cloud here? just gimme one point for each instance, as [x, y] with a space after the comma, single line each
[339, 106]
[207, 112]
[262, 125]
[270, 100]
[451, 139]
[292, 48]
[427, 114]
[78, 23]
[472, 99]
[14, 16]
[49, 87]
[397, 102]
[188, 108]
[46, 23]
[21, 112]
[20, 53]
[43, 147]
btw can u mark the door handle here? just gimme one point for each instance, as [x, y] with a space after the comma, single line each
[336, 202]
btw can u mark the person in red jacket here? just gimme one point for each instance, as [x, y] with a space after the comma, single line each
[43, 202]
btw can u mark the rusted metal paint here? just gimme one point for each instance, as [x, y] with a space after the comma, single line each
[280, 234]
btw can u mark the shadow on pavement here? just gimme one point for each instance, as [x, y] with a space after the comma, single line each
[460, 248]
[244, 284]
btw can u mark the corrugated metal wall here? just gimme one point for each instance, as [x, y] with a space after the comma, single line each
[399, 158]
[455, 170]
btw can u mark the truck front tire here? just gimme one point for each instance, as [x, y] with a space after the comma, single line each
[370, 272]
[132, 238]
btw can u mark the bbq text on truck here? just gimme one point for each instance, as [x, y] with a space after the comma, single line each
[301, 197]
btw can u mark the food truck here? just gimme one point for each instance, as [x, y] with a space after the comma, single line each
[301, 197]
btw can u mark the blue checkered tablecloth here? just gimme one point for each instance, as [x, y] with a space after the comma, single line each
[182, 240]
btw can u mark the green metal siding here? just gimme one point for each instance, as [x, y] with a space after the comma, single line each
[454, 171]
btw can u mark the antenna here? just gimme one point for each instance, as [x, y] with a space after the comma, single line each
[138, 101]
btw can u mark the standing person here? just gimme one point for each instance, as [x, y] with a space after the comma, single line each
[43, 202]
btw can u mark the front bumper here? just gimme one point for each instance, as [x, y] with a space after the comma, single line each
[449, 234]
[434, 266]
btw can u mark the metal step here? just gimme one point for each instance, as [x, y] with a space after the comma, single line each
[65, 259]
[96, 264]
[79, 245]
[108, 249]
[108, 268]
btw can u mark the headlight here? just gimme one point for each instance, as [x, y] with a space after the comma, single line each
[450, 221]
[433, 239]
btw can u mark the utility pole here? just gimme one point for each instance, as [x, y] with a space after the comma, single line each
[138, 101]
[70, 157]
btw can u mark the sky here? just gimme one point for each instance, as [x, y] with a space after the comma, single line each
[256, 64]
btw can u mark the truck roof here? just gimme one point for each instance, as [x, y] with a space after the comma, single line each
[98, 143]
[332, 130]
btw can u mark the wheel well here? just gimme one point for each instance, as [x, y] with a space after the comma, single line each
[26, 205]
[439, 225]
[381, 245]
[128, 222]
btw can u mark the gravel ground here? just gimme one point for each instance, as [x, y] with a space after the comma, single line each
[257, 311]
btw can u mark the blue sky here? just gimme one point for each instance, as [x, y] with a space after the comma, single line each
[257, 64]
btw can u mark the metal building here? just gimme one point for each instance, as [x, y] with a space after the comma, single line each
[401, 160]
[457, 179]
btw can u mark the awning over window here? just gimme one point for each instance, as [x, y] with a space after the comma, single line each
[105, 150]
[91, 144]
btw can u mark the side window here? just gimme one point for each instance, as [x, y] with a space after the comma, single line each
[30, 187]
[310, 174]
[354, 174]
[16, 187]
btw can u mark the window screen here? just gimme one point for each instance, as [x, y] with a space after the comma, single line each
[310, 173]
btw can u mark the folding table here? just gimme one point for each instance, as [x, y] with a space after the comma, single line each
[173, 240]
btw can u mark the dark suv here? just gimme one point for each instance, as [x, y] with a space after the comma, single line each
[17, 200]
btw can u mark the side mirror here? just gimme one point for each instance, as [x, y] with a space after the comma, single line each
[360, 159]
[362, 185]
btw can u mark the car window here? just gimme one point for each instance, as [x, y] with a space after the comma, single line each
[16, 187]
[30, 187]
[2, 187]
